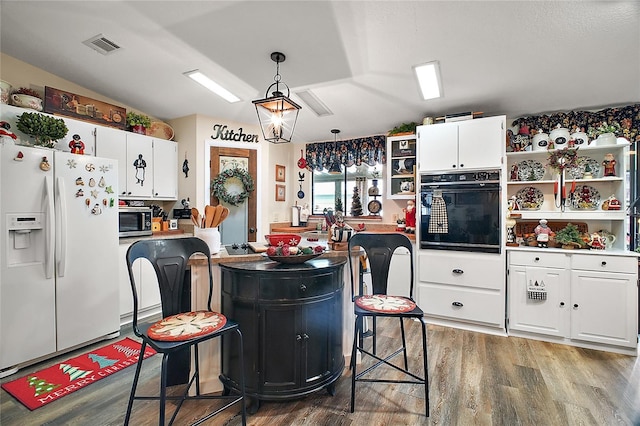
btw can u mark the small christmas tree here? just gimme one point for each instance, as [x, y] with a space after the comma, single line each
[356, 204]
[339, 207]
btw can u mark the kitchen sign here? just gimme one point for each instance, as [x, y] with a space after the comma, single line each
[221, 132]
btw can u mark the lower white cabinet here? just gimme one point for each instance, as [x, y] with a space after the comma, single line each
[465, 290]
[587, 299]
[146, 286]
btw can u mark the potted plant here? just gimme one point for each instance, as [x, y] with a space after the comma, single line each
[27, 98]
[45, 129]
[605, 133]
[404, 128]
[138, 123]
[569, 237]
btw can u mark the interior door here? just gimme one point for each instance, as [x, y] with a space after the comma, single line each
[240, 225]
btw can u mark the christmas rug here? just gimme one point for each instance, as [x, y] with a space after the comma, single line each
[45, 386]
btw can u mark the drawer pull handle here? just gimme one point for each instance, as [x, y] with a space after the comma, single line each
[457, 304]
[604, 263]
[537, 259]
[303, 287]
[458, 271]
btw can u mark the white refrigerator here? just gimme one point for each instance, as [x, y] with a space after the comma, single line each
[58, 252]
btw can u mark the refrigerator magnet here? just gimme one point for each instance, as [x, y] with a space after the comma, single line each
[87, 201]
[72, 164]
[19, 156]
[104, 169]
[79, 181]
[108, 189]
[90, 167]
[96, 210]
[92, 182]
[80, 193]
[104, 202]
[44, 164]
[94, 193]
[112, 202]
[102, 183]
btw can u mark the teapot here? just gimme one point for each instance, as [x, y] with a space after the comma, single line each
[608, 239]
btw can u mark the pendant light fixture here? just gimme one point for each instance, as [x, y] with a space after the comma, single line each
[277, 113]
[335, 168]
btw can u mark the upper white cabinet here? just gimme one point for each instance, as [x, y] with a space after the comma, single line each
[465, 145]
[165, 169]
[148, 166]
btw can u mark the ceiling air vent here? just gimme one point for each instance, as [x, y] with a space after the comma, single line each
[101, 44]
[314, 103]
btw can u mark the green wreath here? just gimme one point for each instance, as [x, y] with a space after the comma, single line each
[219, 189]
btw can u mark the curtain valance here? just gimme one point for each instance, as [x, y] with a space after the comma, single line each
[370, 151]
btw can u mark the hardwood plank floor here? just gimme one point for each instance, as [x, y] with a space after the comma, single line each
[475, 379]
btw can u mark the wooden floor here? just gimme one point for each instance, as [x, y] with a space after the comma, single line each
[475, 379]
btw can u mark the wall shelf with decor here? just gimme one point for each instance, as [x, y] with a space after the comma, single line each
[537, 190]
[401, 166]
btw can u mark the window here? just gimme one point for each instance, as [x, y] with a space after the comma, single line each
[335, 190]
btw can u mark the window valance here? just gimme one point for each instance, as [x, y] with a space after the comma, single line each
[625, 118]
[369, 151]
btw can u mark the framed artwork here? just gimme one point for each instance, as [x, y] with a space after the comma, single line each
[280, 192]
[280, 173]
[60, 102]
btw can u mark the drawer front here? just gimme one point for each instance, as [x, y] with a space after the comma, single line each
[298, 287]
[480, 271]
[547, 260]
[603, 263]
[466, 304]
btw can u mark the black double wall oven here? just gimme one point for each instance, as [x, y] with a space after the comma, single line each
[461, 211]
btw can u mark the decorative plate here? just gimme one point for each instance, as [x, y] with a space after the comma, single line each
[529, 198]
[294, 258]
[160, 130]
[583, 162]
[385, 303]
[530, 170]
[186, 326]
[585, 198]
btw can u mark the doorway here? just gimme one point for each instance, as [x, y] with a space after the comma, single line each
[241, 224]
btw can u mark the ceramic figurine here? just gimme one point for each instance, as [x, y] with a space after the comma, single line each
[609, 164]
[410, 217]
[542, 232]
[76, 145]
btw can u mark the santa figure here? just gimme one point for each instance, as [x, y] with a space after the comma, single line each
[5, 130]
[410, 217]
[76, 145]
[609, 164]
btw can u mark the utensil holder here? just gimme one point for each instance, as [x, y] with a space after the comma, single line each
[211, 236]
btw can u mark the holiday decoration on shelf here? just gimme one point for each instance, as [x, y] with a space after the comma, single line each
[76, 145]
[219, 186]
[609, 164]
[338, 205]
[561, 159]
[410, 217]
[356, 204]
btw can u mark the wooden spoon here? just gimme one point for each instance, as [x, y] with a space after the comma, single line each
[209, 213]
[223, 216]
[195, 214]
[216, 217]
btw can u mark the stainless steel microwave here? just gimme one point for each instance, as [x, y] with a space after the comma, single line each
[134, 221]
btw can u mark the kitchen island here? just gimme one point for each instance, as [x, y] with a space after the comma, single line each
[210, 353]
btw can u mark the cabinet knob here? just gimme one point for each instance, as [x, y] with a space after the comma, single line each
[303, 287]
[454, 166]
[561, 303]
[575, 305]
[305, 336]
[537, 259]
[458, 271]
[604, 263]
[298, 337]
[461, 165]
[124, 192]
[457, 304]
[156, 194]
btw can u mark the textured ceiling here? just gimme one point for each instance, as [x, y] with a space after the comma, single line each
[513, 58]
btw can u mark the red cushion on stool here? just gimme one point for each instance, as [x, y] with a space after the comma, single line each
[383, 303]
[186, 325]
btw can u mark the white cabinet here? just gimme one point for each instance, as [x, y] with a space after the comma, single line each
[465, 145]
[148, 166]
[165, 169]
[466, 290]
[146, 287]
[401, 167]
[590, 300]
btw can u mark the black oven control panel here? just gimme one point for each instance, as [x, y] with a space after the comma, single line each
[461, 177]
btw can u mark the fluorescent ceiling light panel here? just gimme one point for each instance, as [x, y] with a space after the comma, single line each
[212, 85]
[428, 76]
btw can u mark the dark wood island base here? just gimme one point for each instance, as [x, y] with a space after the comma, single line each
[291, 321]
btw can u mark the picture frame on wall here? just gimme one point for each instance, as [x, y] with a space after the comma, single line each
[280, 192]
[280, 173]
[68, 104]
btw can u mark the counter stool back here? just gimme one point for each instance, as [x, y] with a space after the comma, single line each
[379, 249]
[170, 335]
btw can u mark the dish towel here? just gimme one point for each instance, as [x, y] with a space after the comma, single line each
[438, 222]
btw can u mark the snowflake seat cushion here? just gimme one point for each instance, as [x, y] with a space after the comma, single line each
[186, 325]
[385, 304]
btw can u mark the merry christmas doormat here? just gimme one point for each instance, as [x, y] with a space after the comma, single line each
[45, 386]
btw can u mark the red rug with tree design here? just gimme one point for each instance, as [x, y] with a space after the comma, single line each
[45, 386]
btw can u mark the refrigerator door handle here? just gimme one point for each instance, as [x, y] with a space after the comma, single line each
[61, 230]
[49, 231]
